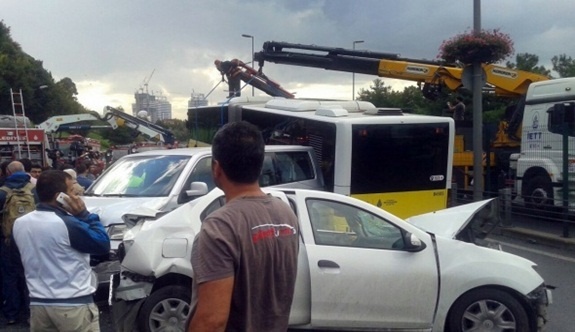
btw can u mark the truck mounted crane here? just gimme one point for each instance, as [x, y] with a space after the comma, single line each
[114, 117]
[432, 74]
[236, 71]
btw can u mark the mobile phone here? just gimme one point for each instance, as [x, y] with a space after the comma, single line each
[60, 199]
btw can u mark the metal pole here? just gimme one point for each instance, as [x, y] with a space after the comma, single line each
[505, 204]
[565, 171]
[353, 74]
[477, 114]
[252, 38]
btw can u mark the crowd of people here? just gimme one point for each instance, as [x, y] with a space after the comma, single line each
[35, 187]
[45, 252]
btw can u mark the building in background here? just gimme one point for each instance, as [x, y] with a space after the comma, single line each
[157, 107]
[197, 99]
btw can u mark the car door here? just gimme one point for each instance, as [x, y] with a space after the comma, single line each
[360, 276]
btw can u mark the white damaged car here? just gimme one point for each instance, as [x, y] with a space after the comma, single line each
[360, 268]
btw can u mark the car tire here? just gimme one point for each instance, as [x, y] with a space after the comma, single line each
[166, 309]
[538, 193]
[487, 309]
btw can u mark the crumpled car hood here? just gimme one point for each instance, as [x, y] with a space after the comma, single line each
[448, 222]
[111, 209]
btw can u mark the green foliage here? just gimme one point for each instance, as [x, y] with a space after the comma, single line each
[378, 94]
[120, 135]
[528, 62]
[410, 99]
[493, 116]
[177, 127]
[42, 96]
[564, 65]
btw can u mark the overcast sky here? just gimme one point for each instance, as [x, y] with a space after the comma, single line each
[110, 47]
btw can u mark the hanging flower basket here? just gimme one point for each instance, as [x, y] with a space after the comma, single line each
[486, 46]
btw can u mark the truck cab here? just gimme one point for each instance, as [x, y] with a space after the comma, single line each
[538, 167]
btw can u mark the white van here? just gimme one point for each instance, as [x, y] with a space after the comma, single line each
[159, 181]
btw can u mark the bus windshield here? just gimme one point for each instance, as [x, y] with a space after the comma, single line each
[399, 157]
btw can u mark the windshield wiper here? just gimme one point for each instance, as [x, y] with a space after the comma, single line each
[120, 195]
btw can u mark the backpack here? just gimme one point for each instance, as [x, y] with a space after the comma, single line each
[19, 201]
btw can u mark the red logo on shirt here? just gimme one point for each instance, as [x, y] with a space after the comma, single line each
[268, 231]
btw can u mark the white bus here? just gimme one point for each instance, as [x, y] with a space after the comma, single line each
[398, 161]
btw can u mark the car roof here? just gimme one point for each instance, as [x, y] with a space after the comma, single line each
[208, 151]
[171, 152]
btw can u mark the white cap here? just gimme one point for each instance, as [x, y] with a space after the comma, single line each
[71, 172]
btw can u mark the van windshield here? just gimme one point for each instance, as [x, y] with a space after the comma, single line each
[145, 176]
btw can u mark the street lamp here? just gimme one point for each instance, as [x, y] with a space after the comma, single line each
[252, 38]
[353, 74]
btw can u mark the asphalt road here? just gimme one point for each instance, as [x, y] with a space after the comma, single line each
[557, 267]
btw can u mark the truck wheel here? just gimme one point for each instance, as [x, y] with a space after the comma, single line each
[538, 193]
[487, 310]
[166, 309]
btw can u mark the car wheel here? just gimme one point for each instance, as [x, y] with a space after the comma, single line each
[487, 310]
[166, 309]
[538, 193]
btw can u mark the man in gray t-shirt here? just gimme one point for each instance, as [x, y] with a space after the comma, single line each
[245, 256]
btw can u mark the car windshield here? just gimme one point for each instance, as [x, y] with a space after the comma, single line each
[145, 176]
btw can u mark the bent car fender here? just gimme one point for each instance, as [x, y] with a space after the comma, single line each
[465, 266]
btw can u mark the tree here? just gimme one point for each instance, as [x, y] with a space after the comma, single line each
[564, 65]
[177, 127]
[378, 93]
[528, 62]
[68, 86]
[410, 99]
[42, 97]
[121, 135]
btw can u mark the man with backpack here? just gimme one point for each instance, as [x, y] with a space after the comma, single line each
[17, 198]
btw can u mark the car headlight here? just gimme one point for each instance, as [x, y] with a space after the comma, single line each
[116, 232]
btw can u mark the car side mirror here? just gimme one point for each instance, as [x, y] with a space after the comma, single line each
[197, 189]
[412, 243]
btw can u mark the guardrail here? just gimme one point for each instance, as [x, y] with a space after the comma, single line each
[511, 208]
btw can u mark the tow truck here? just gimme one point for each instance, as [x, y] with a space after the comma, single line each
[432, 77]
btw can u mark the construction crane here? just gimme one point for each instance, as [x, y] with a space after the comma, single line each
[144, 86]
[144, 90]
